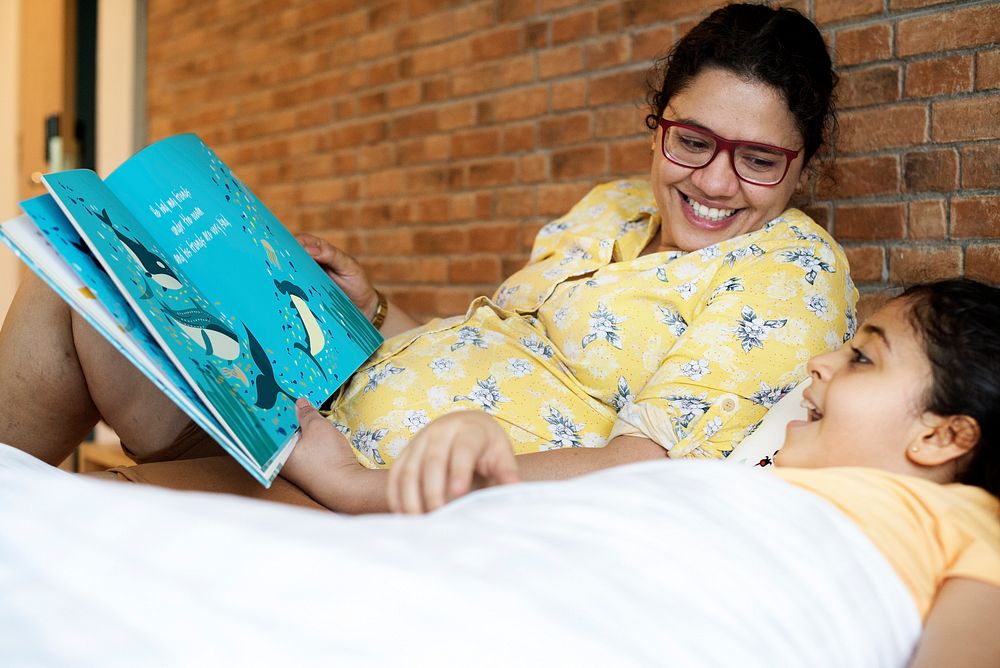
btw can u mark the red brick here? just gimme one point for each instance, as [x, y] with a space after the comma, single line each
[515, 138]
[477, 79]
[493, 237]
[644, 12]
[425, 149]
[874, 129]
[953, 28]
[494, 44]
[975, 217]
[988, 69]
[519, 104]
[514, 71]
[451, 301]
[574, 27]
[427, 179]
[608, 53]
[560, 61]
[495, 172]
[867, 263]
[617, 88]
[460, 115]
[569, 94]
[981, 166]
[820, 213]
[870, 302]
[516, 202]
[631, 157]
[930, 170]
[652, 43]
[982, 263]
[838, 10]
[928, 220]
[417, 123]
[537, 34]
[864, 45]
[873, 85]
[441, 57]
[941, 76]
[434, 209]
[509, 10]
[620, 121]
[921, 265]
[562, 130]
[870, 221]
[557, 198]
[475, 143]
[407, 269]
[388, 242]
[859, 177]
[913, 4]
[384, 183]
[975, 118]
[533, 168]
[441, 240]
[475, 269]
[581, 161]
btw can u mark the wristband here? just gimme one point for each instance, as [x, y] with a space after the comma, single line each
[380, 311]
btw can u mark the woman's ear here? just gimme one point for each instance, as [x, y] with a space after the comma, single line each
[945, 439]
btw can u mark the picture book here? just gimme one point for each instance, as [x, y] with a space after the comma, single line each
[179, 265]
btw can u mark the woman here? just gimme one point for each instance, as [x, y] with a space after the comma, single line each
[658, 318]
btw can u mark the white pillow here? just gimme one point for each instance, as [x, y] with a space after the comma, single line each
[758, 448]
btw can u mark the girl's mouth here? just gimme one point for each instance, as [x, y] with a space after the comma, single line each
[814, 413]
[708, 214]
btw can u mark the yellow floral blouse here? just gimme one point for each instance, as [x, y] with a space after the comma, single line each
[591, 340]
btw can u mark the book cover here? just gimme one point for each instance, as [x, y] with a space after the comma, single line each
[246, 321]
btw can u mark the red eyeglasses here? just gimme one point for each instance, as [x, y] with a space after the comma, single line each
[694, 147]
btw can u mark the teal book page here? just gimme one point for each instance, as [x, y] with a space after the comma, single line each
[245, 313]
[92, 284]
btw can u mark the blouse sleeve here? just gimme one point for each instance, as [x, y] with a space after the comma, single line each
[762, 317]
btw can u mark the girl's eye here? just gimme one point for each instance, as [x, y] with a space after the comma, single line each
[859, 357]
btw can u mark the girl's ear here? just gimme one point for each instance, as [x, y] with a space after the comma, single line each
[945, 439]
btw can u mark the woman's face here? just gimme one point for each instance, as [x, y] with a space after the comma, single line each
[866, 400]
[701, 207]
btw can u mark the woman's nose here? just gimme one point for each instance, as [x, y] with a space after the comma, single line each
[717, 178]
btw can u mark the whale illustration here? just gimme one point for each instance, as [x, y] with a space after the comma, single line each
[267, 385]
[314, 333]
[205, 330]
[152, 265]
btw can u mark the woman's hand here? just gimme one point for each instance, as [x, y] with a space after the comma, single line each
[448, 458]
[343, 270]
[323, 465]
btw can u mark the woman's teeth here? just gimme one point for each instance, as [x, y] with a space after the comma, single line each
[708, 212]
[814, 413]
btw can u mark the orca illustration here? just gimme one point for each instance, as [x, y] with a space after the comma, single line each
[206, 330]
[314, 333]
[153, 266]
[266, 383]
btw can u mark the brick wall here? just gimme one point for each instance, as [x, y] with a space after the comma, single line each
[431, 138]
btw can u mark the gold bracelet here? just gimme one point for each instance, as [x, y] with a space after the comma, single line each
[380, 311]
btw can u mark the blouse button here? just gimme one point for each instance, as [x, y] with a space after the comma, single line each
[728, 405]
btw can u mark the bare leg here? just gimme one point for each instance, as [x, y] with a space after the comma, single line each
[59, 377]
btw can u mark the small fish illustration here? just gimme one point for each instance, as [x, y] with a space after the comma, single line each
[314, 333]
[237, 373]
[152, 265]
[271, 255]
[267, 385]
[205, 330]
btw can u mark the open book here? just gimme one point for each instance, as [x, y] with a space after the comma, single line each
[189, 275]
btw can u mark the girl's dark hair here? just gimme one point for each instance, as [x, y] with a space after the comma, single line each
[959, 322]
[778, 47]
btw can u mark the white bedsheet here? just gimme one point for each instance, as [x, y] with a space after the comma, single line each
[666, 563]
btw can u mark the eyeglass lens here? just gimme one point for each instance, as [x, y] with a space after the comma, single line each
[754, 163]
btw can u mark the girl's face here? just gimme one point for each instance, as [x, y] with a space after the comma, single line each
[866, 400]
[701, 207]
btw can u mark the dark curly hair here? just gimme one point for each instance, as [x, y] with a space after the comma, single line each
[959, 323]
[776, 46]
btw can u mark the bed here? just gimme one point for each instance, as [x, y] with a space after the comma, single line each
[660, 563]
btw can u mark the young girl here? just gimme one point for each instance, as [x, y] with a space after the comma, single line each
[901, 436]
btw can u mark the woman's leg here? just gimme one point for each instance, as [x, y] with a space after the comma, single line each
[59, 376]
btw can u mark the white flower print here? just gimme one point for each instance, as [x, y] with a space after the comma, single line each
[852, 325]
[342, 428]
[537, 346]
[623, 395]
[415, 420]
[695, 370]
[441, 366]
[574, 253]
[688, 407]
[365, 441]
[807, 236]
[709, 252]
[661, 273]
[505, 294]
[519, 367]
[805, 258]
[559, 317]
[768, 396]
[565, 432]
[742, 252]
[604, 325]
[485, 394]
[378, 374]
[469, 335]
[553, 228]
[637, 223]
[752, 331]
[685, 290]
[673, 320]
[817, 304]
[712, 427]
[734, 284]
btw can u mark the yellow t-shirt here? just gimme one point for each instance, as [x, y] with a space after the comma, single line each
[687, 349]
[927, 531]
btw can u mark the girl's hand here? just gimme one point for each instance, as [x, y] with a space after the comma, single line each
[448, 458]
[343, 270]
